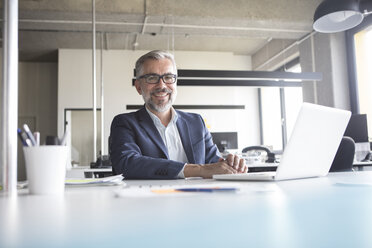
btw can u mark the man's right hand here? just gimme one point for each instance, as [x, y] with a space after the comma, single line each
[208, 170]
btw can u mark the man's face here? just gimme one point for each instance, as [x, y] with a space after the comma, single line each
[158, 97]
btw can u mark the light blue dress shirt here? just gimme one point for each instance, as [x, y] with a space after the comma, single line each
[171, 139]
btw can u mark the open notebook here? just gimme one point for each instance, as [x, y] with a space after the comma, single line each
[310, 150]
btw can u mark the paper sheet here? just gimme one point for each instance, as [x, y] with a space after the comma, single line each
[113, 180]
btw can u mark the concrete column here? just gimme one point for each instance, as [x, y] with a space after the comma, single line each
[326, 53]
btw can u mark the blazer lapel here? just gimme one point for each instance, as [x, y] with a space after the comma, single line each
[183, 130]
[148, 125]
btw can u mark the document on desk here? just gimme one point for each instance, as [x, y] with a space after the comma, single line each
[113, 180]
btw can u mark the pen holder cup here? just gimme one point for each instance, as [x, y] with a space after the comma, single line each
[46, 169]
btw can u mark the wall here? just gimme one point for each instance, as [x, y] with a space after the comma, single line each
[340, 71]
[326, 53]
[37, 102]
[274, 54]
[74, 88]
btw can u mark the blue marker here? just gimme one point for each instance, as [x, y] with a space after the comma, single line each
[209, 190]
[19, 131]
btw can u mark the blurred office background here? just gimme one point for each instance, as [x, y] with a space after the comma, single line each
[55, 65]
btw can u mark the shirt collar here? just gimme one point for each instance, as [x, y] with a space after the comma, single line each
[156, 119]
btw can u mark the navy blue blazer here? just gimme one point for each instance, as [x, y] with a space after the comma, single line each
[138, 152]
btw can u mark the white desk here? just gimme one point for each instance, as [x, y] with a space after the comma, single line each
[320, 212]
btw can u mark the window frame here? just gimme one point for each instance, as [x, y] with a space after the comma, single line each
[351, 63]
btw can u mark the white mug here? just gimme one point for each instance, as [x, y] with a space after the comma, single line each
[46, 168]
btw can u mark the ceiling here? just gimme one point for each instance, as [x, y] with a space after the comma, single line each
[238, 26]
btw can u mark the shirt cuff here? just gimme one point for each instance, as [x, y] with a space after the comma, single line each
[180, 174]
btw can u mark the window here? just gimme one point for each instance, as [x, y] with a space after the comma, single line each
[279, 109]
[359, 42]
[271, 118]
[293, 101]
[80, 125]
[363, 59]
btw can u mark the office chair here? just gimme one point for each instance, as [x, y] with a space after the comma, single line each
[103, 161]
[109, 144]
[344, 158]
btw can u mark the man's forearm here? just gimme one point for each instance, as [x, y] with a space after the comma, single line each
[144, 167]
[192, 170]
[207, 170]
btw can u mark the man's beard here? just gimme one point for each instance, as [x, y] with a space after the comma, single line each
[163, 106]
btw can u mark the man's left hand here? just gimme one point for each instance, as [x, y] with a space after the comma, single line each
[236, 162]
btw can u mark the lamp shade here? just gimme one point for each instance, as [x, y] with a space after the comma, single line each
[337, 15]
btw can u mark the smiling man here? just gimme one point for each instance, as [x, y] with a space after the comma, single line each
[159, 142]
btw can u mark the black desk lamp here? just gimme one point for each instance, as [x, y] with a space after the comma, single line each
[339, 15]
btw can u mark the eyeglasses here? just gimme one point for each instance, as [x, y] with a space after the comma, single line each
[155, 78]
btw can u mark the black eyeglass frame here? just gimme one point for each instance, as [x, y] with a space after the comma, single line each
[160, 77]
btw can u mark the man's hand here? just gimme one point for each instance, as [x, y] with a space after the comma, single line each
[232, 165]
[236, 162]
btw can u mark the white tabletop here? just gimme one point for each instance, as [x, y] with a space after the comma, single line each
[334, 211]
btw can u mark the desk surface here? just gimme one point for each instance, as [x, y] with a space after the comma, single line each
[334, 211]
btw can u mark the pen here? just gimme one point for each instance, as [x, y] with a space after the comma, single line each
[37, 138]
[19, 131]
[25, 138]
[206, 189]
[28, 142]
[29, 134]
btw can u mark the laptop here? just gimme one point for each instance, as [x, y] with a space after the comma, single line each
[311, 148]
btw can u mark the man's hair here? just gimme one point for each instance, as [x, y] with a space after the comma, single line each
[155, 55]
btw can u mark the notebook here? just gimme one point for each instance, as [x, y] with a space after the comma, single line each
[311, 148]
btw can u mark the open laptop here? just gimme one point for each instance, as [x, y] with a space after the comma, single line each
[310, 150]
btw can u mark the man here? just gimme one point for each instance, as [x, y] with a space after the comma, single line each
[159, 142]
